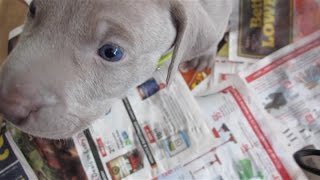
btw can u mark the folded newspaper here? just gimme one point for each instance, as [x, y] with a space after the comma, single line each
[12, 163]
[246, 146]
[261, 27]
[285, 88]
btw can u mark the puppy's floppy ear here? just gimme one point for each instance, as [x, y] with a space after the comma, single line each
[197, 34]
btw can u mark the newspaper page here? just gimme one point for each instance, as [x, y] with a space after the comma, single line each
[28, 1]
[286, 83]
[13, 165]
[245, 146]
[210, 75]
[152, 130]
[50, 159]
[224, 70]
[260, 28]
[194, 78]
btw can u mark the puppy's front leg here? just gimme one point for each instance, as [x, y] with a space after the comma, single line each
[199, 63]
[206, 60]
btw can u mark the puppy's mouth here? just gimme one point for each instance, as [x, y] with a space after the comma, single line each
[17, 122]
[22, 121]
[51, 132]
[34, 125]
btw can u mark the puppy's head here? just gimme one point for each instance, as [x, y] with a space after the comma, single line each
[75, 57]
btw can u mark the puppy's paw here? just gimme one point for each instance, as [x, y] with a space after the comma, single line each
[199, 64]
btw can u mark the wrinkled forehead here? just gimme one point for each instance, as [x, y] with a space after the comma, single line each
[90, 18]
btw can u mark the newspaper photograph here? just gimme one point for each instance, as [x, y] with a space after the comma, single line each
[50, 159]
[194, 78]
[13, 165]
[260, 28]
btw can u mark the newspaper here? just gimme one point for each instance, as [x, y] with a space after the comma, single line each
[13, 165]
[260, 28]
[194, 78]
[246, 146]
[50, 159]
[260, 137]
[286, 84]
[146, 133]
[28, 1]
[224, 70]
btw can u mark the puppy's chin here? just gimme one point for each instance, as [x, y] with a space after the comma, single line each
[57, 126]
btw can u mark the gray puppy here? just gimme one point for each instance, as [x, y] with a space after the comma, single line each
[75, 57]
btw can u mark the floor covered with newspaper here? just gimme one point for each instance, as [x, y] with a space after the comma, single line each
[243, 119]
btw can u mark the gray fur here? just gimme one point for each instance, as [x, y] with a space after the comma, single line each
[55, 76]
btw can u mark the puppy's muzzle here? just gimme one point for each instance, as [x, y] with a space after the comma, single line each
[16, 108]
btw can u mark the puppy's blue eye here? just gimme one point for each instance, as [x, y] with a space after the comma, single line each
[110, 52]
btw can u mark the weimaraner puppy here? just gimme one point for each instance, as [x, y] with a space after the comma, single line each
[75, 57]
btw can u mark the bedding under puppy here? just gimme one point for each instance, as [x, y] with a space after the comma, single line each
[75, 57]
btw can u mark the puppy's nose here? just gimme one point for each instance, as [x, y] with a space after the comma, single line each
[15, 108]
